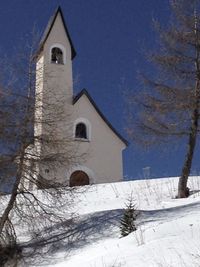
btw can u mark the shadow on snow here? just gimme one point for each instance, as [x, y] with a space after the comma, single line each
[71, 235]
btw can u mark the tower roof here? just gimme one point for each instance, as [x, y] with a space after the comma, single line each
[48, 30]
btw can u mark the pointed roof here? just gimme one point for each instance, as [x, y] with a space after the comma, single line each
[85, 92]
[48, 30]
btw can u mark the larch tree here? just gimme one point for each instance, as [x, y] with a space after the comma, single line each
[26, 207]
[168, 107]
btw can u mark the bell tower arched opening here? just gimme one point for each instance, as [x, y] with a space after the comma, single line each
[57, 55]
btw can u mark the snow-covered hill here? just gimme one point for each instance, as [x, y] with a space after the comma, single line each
[168, 229]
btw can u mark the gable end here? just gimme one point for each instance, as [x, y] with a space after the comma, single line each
[85, 92]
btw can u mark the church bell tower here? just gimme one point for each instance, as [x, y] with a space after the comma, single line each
[54, 68]
[54, 90]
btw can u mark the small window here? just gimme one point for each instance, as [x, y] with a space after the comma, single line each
[81, 131]
[56, 55]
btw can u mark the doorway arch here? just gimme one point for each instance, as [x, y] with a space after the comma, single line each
[79, 178]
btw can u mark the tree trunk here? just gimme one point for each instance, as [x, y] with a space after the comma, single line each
[183, 191]
[5, 215]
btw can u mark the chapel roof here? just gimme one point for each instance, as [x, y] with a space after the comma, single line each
[85, 92]
[48, 30]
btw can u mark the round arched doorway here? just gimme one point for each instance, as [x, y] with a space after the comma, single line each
[79, 178]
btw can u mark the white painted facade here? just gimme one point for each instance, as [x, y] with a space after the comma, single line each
[102, 146]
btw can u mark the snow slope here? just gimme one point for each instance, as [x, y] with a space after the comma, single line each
[168, 229]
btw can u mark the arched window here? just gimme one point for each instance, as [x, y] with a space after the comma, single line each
[56, 55]
[81, 131]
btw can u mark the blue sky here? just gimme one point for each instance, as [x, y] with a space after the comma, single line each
[110, 38]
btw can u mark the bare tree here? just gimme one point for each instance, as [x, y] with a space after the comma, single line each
[168, 107]
[32, 158]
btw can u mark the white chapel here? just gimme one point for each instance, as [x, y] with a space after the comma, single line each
[97, 146]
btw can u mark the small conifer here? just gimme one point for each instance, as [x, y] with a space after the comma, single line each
[127, 223]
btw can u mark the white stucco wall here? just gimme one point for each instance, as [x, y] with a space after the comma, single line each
[104, 149]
